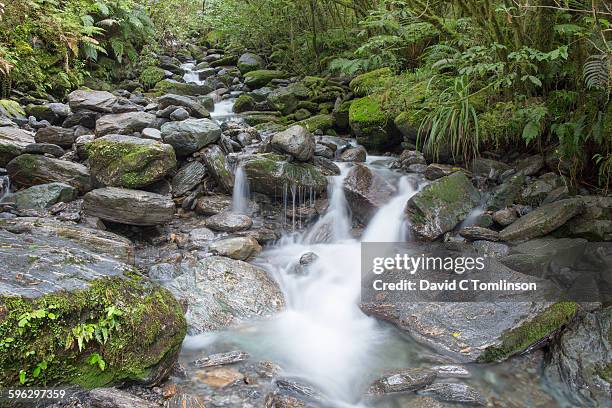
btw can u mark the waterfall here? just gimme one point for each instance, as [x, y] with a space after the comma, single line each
[5, 186]
[241, 194]
[191, 76]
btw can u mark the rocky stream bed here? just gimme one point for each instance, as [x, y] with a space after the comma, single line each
[199, 245]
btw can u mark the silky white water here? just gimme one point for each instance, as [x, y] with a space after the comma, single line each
[241, 194]
[5, 187]
[191, 76]
[223, 111]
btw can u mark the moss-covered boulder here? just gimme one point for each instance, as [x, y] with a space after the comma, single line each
[372, 126]
[131, 162]
[250, 62]
[217, 165]
[317, 122]
[262, 77]
[283, 100]
[168, 86]
[244, 103]
[33, 169]
[341, 115]
[151, 75]
[42, 196]
[81, 317]
[13, 142]
[370, 82]
[440, 206]
[257, 118]
[270, 173]
[227, 60]
[408, 123]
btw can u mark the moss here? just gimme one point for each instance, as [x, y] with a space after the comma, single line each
[501, 124]
[318, 122]
[371, 82]
[367, 111]
[225, 61]
[519, 338]
[166, 86]
[244, 103]
[151, 75]
[262, 77]
[150, 329]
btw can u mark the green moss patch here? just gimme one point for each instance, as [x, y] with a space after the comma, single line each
[151, 75]
[371, 82]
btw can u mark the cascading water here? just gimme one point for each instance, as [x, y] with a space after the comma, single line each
[5, 186]
[241, 194]
[190, 75]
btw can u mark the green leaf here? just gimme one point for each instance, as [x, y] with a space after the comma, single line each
[22, 377]
[531, 131]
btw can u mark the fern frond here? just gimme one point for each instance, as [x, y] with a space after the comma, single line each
[597, 74]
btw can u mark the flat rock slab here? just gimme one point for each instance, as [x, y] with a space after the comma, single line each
[455, 393]
[13, 142]
[411, 379]
[189, 136]
[132, 207]
[33, 169]
[229, 222]
[97, 101]
[123, 123]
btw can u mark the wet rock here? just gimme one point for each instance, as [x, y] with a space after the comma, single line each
[298, 388]
[179, 114]
[372, 125]
[211, 205]
[536, 192]
[213, 360]
[488, 168]
[152, 134]
[192, 105]
[123, 123]
[366, 192]
[281, 400]
[220, 377]
[475, 233]
[170, 86]
[354, 154]
[318, 123]
[324, 151]
[507, 193]
[440, 206]
[31, 169]
[44, 148]
[542, 221]
[55, 135]
[184, 401]
[220, 292]
[450, 371]
[131, 207]
[229, 222]
[416, 168]
[84, 118]
[595, 223]
[408, 158]
[115, 398]
[244, 103]
[12, 143]
[505, 217]
[411, 379]
[190, 135]
[283, 100]
[97, 101]
[188, 176]
[131, 162]
[249, 62]
[455, 393]
[328, 167]
[531, 165]
[241, 248]
[268, 173]
[54, 113]
[579, 360]
[218, 167]
[295, 141]
[261, 77]
[201, 237]
[42, 196]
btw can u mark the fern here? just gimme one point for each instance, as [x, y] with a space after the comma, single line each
[597, 73]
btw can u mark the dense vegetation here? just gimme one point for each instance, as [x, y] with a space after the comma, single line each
[470, 76]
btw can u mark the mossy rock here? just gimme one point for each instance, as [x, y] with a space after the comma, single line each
[228, 60]
[520, 338]
[130, 162]
[151, 76]
[341, 115]
[283, 100]
[258, 118]
[167, 86]
[371, 82]
[262, 77]
[244, 103]
[408, 123]
[318, 122]
[372, 126]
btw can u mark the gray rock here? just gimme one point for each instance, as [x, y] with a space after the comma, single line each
[12, 143]
[324, 151]
[131, 162]
[531, 165]
[220, 292]
[201, 237]
[241, 248]
[115, 398]
[97, 101]
[492, 249]
[80, 145]
[416, 168]
[435, 170]
[44, 148]
[505, 217]
[507, 193]
[366, 192]
[179, 114]
[54, 113]
[295, 141]
[214, 360]
[31, 169]
[580, 359]
[229, 222]
[123, 123]
[595, 223]
[440, 206]
[84, 118]
[475, 233]
[542, 221]
[218, 167]
[488, 168]
[42, 196]
[328, 167]
[55, 135]
[249, 62]
[188, 176]
[151, 133]
[214, 204]
[190, 135]
[354, 154]
[131, 207]
[195, 108]
[450, 371]
[411, 379]
[536, 192]
[559, 193]
[455, 393]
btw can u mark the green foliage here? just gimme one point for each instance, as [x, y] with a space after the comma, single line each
[151, 75]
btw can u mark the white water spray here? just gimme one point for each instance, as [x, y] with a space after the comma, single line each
[241, 194]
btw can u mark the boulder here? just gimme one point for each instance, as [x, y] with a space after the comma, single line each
[488, 168]
[475, 233]
[435, 171]
[268, 173]
[441, 205]
[262, 77]
[220, 292]
[366, 192]
[201, 237]
[142, 324]
[131, 162]
[188, 176]
[505, 217]
[195, 108]
[411, 379]
[54, 113]
[152, 134]
[324, 151]
[55, 135]
[42, 196]
[543, 220]
[295, 141]
[249, 62]
[179, 114]
[283, 100]
[241, 248]
[595, 223]
[132, 207]
[217, 166]
[97, 101]
[315, 123]
[455, 393]
[531, 165]
[354, 154]
[244, 103]
[169, 86]
[536, 192]
[123, 123]
[579, 360]
[372, 125]
[44, 148]
[12, 143]
[32, 169]
[229, 222]
[213, 204]
[507, 193]
[85, 118]
[190, 135]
